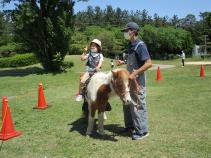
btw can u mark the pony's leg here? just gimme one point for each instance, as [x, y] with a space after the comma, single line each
[100, 123]
[91, 119]
[90, 125]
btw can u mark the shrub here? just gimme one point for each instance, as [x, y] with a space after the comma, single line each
[166, 40]
[75, 49]
[9, 47]
[18, 60]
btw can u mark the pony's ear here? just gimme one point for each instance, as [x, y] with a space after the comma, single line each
[114, 73]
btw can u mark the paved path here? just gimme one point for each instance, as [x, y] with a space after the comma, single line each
[198, 63]
[155, 66]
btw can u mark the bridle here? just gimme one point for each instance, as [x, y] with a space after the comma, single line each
[115, 88]
[122, 94]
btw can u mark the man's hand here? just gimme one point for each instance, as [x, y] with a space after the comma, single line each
[132, 76]
[119, 62]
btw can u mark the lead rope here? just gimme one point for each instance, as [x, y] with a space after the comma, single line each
[138, 102]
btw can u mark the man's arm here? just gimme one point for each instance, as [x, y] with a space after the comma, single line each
[146, 66]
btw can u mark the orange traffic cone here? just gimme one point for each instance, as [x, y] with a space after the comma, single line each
[41, 98]
[159, 77]
[202, 71]
[7, 129]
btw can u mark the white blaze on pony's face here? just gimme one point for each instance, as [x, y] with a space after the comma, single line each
[120, 83]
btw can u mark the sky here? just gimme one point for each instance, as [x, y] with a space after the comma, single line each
[162, 7]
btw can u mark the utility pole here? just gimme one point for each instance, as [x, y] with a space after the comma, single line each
[205, 44]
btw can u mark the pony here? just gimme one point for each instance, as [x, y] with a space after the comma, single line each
[101, 86]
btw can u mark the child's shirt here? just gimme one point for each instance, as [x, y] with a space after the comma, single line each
[93, 60]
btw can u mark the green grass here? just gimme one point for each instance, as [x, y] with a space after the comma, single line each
[179, 109]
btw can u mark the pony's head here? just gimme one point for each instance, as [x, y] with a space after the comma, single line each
[120, 84]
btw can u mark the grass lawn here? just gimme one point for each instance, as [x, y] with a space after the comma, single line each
[179, 109]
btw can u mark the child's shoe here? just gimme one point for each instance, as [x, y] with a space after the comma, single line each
[79, 98]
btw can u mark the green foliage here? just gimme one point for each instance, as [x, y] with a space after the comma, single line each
[18, 60]
[46, 30]
[111, 38]
[166, 40]
[1, 28]
[206, 22]
[118, 18]
[14, 47]
[5, 29]
[163, 42]
[9, 47]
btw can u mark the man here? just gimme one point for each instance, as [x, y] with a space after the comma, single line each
[135, 115]
[183, 58]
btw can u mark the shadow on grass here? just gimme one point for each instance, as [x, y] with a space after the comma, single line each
[80, 125]
[21, 71]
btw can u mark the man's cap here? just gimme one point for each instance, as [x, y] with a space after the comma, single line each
[97, 41]
[131, 25]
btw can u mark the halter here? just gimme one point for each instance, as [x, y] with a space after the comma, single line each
[115, 88]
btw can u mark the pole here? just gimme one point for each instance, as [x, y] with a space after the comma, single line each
[205, 44]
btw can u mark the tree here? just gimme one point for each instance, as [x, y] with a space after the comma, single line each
[90, 15]
[1, 27]
[144, 17]
[46, 28]
[206, 22]
[157, 20]
[118, 16]
[175, 20]
[109, 14]
[163, 41]
[5, 29]
[98, 16]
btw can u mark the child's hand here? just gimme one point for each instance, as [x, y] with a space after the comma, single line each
[85, 50]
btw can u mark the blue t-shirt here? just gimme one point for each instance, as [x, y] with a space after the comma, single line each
[142, 53]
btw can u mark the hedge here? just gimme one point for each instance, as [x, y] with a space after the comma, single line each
[18, 60]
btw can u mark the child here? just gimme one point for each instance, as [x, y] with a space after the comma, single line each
[183, 58]
[94, 59]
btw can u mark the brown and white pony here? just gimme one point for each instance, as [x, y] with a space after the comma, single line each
[100, 88]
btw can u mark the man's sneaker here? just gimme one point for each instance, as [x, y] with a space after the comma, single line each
[79, 98]
[139, 136]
